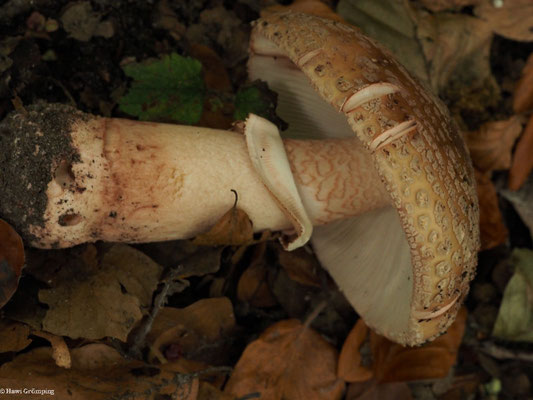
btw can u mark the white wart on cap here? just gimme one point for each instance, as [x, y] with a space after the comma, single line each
[405, 268]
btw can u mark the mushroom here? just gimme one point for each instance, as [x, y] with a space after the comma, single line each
[395, 203]
[405, 268]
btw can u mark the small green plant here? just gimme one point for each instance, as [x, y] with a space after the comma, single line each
[169, 89]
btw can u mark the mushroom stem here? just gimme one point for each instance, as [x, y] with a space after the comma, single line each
[130, 181]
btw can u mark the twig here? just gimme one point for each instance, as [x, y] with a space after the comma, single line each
[171, 285]
[501, 353]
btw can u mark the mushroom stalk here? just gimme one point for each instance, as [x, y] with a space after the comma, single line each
[130, 181]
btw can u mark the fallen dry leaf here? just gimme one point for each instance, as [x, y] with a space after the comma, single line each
[523, 93]
[288, 361]
[492, 144]
[216, 114]
[457, 49]
[300, 265]
[253, 287]
[102, 300]
[522, 160]
[209, 392]
[444, 50]
[372, 390]
[195, 330]
[522, 201]
[232, 229]
[515, 316]
[13, 336]
[253, 284]
[441, 5]
[11, 261]
[464, 386]
[98, 373]
[492, 229]
[60, 352]
[395, 363]
[312, 7]
[512, 20]
[350, 361]
[215, 75]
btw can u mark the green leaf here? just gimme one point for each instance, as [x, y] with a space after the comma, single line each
[251, 100]
[169, 89]
[515, 317]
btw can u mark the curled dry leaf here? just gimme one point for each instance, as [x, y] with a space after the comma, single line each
[288, 361]
[13, 336]
[395, 363]
[232, 229]
[313, 7]
[493, 230]
[512, 20]
[60, 352]
[350, 360]
[198, 330]
[98, 373]
[523, 93]
[491, 146]
[11, 261]
[522, 160]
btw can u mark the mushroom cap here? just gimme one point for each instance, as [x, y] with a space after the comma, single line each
[421, 158]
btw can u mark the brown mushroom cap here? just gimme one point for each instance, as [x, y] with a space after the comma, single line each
[405, 269]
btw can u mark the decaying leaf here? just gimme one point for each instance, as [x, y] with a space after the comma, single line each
[350, 361]
[522, 201]
[198, 330]
[300, 265]
[232, 229]
[441, 5]
[98, 373]
[492, 144]
[395, 363]
[13, 336]
[104, 300]
[523, 93]
[11, 261]
[215, 75]
[391, 24]
[444, 50]
[288, 361]
[253, 284]
[491, 226]
[372, 390]
[60, 351]
[80, 21]
[217, 113]
[209, 392]
[313, 7]
[515, 317]
[513, 19]
[522, 160]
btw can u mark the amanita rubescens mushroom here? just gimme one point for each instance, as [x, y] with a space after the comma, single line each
[386, 163]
